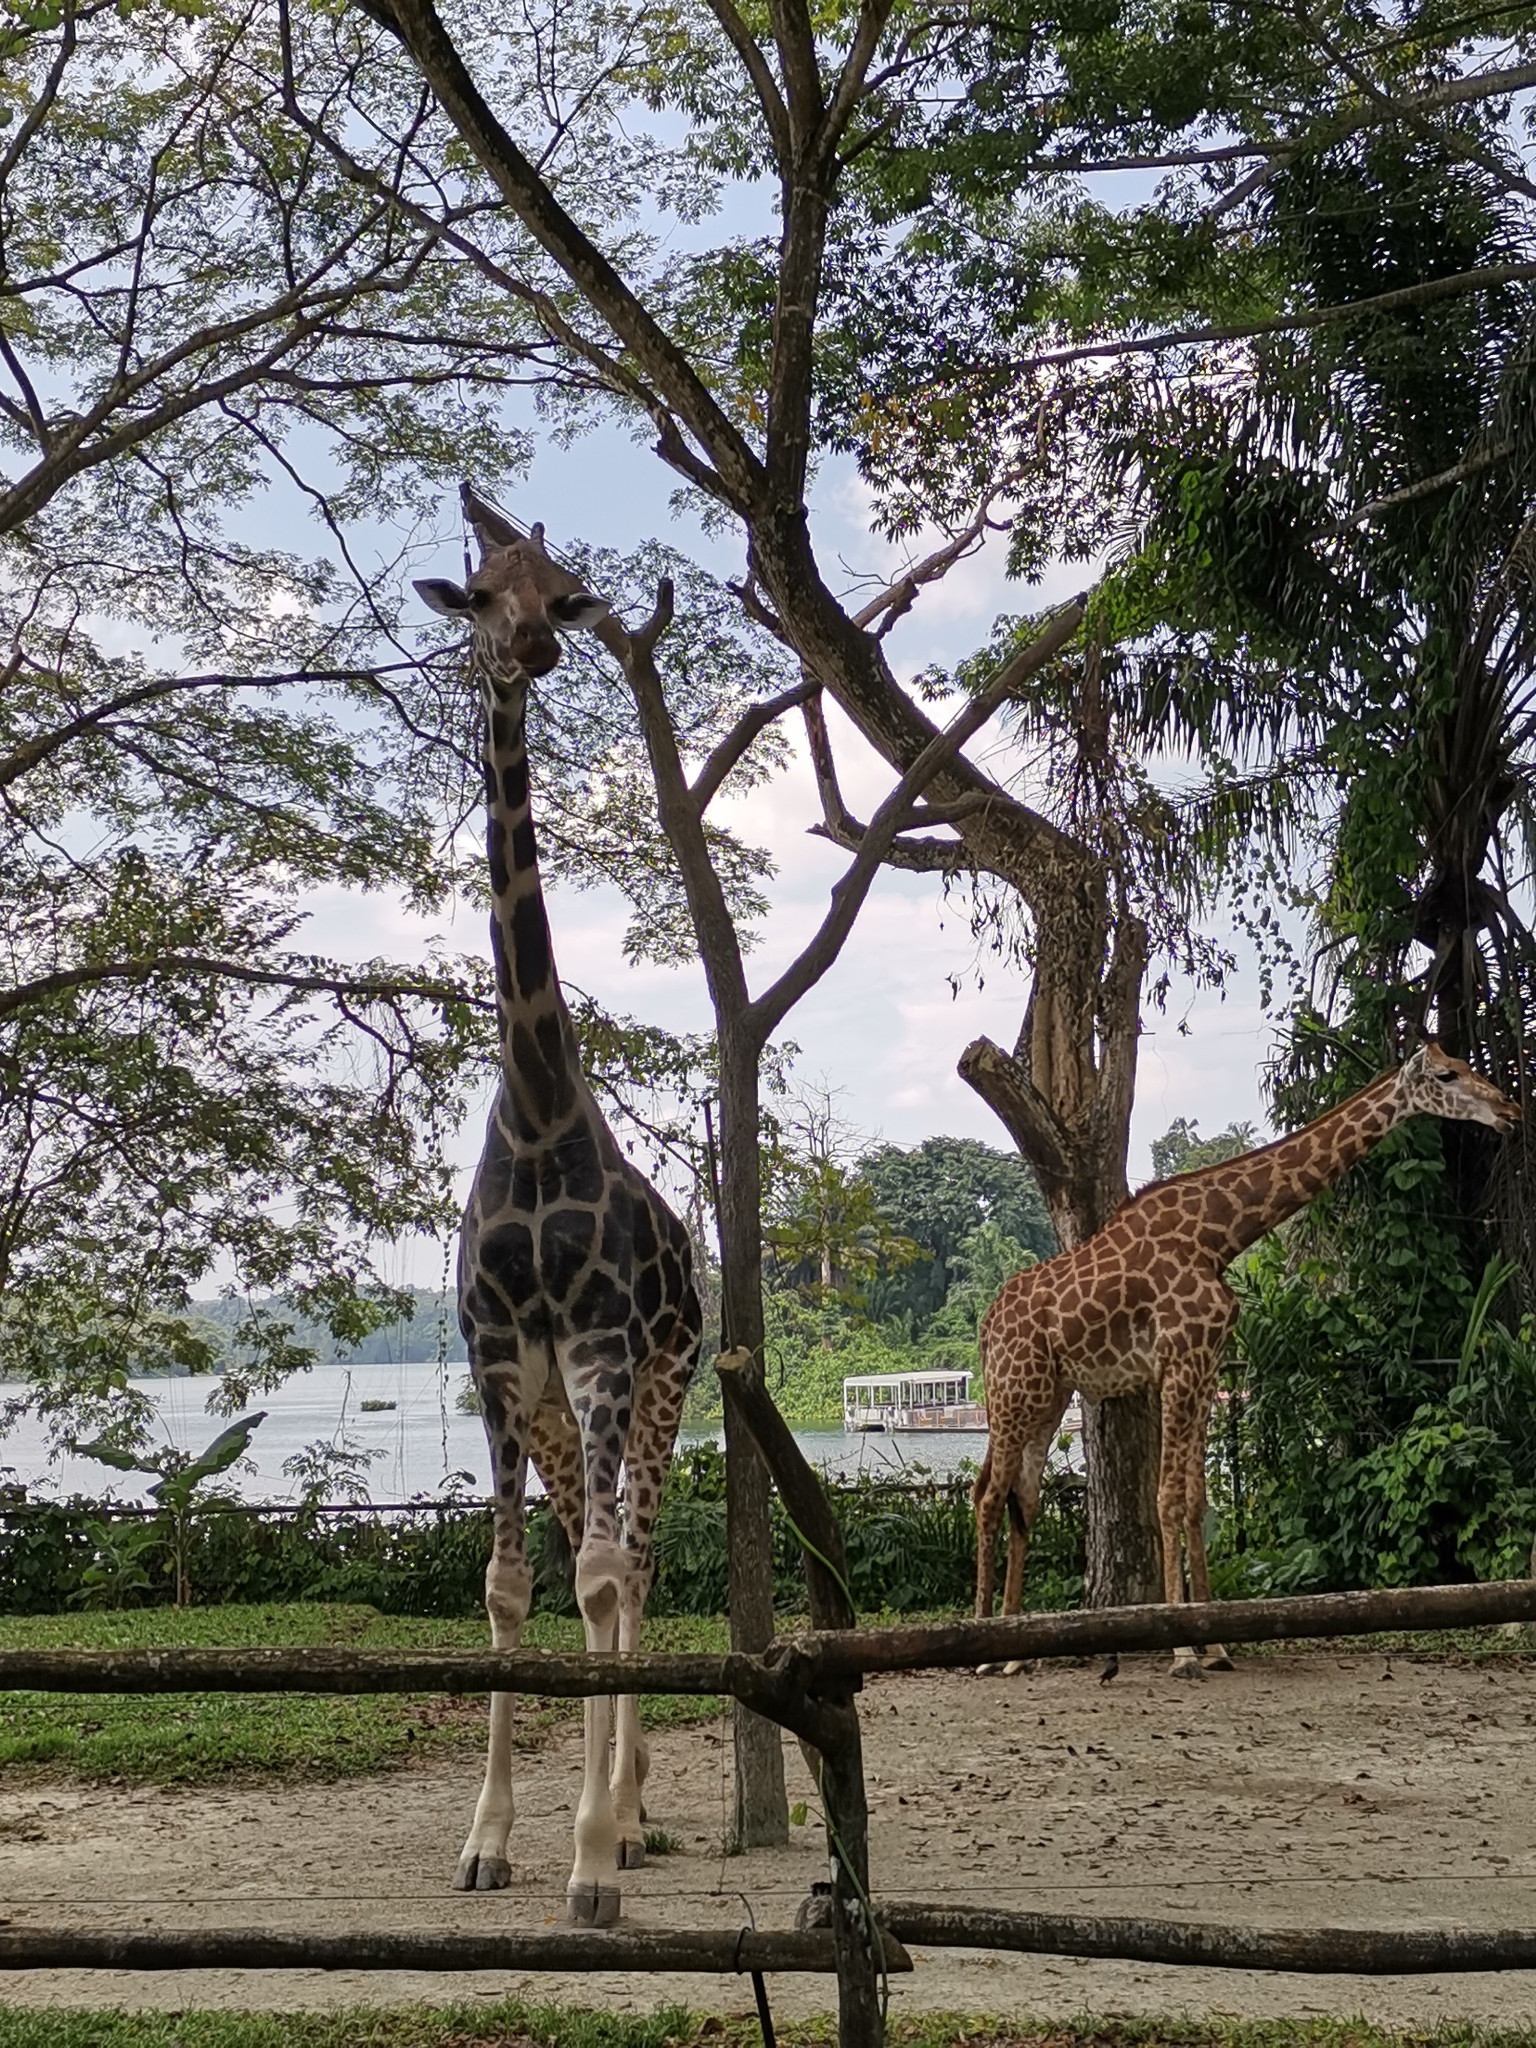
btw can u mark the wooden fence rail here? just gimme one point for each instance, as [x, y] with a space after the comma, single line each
[726, 1951]
[1314, 1951]
[795, 1667]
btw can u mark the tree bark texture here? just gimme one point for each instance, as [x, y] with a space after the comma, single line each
[761, 1819]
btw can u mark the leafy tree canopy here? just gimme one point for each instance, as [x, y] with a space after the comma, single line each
[938, 1194]
[1181, 1149]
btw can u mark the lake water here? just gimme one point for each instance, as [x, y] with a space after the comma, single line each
[418, 1445]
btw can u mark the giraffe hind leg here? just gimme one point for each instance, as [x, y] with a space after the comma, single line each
[1023, 1507]
[483, 1864]
[1185, 1403]
[599, 1382]
[1214, 1656]
[661, 1388]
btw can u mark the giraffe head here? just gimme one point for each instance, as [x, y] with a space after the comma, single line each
[517, 603]
[1432, 1083]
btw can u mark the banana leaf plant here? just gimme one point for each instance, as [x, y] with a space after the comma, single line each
[179, 1475]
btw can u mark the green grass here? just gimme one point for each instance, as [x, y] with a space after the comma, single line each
[201, 1738]
[205, 1738]
[512, 2024]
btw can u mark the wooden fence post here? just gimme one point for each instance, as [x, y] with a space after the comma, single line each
[845, 1806]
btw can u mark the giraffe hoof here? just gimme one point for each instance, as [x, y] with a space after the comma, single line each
[1019, 1664]
[482, 1873]
[988, 1670]
[592, 1905]
[1191, 1669]
[631, 1853]
[1219, 1660]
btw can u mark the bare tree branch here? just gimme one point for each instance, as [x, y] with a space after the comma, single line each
[918, 855]
[724, 757]
[1433, 289]
[30, 995]
[417, 25]
[757, 68]
[897, 599]
[770, 1008]
[1424, 488]
[25, 758]
[1005, 1087]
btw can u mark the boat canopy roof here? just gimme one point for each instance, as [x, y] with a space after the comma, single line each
[927, 1377]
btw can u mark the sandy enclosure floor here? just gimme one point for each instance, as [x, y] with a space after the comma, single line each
[1305, 1789]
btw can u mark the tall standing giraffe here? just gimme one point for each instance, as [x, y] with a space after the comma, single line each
[1143, 1303]
[575, 1281]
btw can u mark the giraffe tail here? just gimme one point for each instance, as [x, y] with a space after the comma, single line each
[983, 1481]
[983, 1478]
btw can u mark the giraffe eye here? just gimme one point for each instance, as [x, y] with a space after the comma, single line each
[479, 599]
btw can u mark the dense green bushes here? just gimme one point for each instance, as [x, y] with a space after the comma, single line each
[910, 1547]
[1382, 1425]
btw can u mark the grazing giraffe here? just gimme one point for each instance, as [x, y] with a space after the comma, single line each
[1143, 1303]
[575, 1282]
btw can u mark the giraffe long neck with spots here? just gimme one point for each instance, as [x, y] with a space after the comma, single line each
[542, 1081]
[1245, 1198]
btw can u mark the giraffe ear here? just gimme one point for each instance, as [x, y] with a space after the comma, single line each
[580, 610]
[443, 596]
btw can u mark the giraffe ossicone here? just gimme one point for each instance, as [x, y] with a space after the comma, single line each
[575, 1284]
[1142, 1303]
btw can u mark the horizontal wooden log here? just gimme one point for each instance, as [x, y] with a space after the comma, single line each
[1089, 1632]
[779, 1694]
[253, 1948]
[547, 1673]
[777, 1682]
[1313, 1951]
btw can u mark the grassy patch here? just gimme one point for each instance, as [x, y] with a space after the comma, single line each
[513, 2024]
[200, 1738]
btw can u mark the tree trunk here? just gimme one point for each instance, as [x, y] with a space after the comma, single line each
[761, 1818]
[1122, 1441]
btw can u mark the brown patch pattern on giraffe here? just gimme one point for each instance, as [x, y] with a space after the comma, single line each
[1143, 1303]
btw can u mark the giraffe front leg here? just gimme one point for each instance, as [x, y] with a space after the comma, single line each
[647, 1460]
[631, 1756]
[483, 1865]
[592, 1898]
[989, 1517]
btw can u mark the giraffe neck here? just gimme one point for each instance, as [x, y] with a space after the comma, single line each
[1244, 1198]
[542, 1082]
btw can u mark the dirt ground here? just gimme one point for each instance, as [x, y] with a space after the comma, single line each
[1303, 1789]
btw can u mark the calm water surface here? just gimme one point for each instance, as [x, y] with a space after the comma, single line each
[418, 1445]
